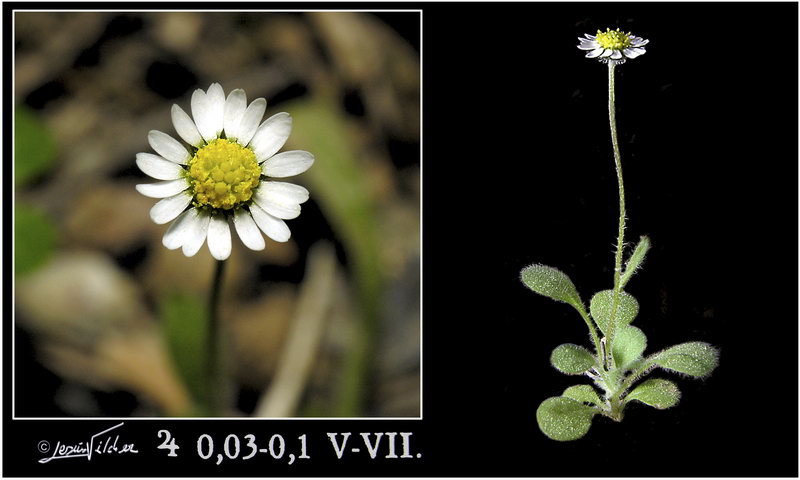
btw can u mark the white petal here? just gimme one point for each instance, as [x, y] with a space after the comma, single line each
[281, 199]
[196, 235]
[590, 37]
[589, 45]
[219, 237]
[594, 53]
[247, 230]
[200, 114]
[288, 192]
[215, 97]
[185, 127]
[606, 53]
[157, 167]
[170, 207]
[168, 147]
[640, 43]
[286, 212]
[287, 164]
[271, 135]
[250, 121]
[633, 52]
[616, 55]
[235, 106]
[178, 232]
[208, 110]
[274, 227]
[162, 189]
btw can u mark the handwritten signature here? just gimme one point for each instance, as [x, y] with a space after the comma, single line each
[99, 444]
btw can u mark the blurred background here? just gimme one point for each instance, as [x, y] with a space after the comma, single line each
[108, 322]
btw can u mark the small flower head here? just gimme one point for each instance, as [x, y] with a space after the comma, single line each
[225, 174]
[613, 46]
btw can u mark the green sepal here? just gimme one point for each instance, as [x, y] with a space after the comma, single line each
[656, 392]
[564, 419]
[629, 344]
[635, 260]
[552, 283]
[601, 306]
[582, 393]
[697, 359]
[571, 359]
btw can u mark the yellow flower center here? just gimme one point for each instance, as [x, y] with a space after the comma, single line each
[613, 39]
[223, 174]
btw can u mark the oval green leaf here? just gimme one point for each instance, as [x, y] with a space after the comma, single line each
[601, 306]
[656, 392]
[552, 283]
[564, 419]
[572, 359]
[583, 393]
[697, 359]
[629, 344]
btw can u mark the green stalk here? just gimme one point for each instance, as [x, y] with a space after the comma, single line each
[213, 367]
[612, 120]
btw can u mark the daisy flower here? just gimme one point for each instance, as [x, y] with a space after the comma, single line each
[613, 46]
[224, 174]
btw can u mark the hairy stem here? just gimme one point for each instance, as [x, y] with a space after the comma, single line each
[617, 408]
[626, 384]
[612, 120]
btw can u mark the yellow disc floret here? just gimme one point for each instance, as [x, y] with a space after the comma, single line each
[223, 174]
[613, 39]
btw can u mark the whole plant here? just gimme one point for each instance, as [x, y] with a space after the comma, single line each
[618, 366]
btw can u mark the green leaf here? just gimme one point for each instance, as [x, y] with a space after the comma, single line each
[34, 147]
[635, 260]
[572, 359]
[551, 282]
[583, 393]
[564, 419]
[184, 320]
[601, 306]
[34, 238]
[629, 344]
[656, 392]
[697, 359]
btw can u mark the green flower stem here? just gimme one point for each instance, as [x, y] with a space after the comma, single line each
[612, 120]
[215, 381]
